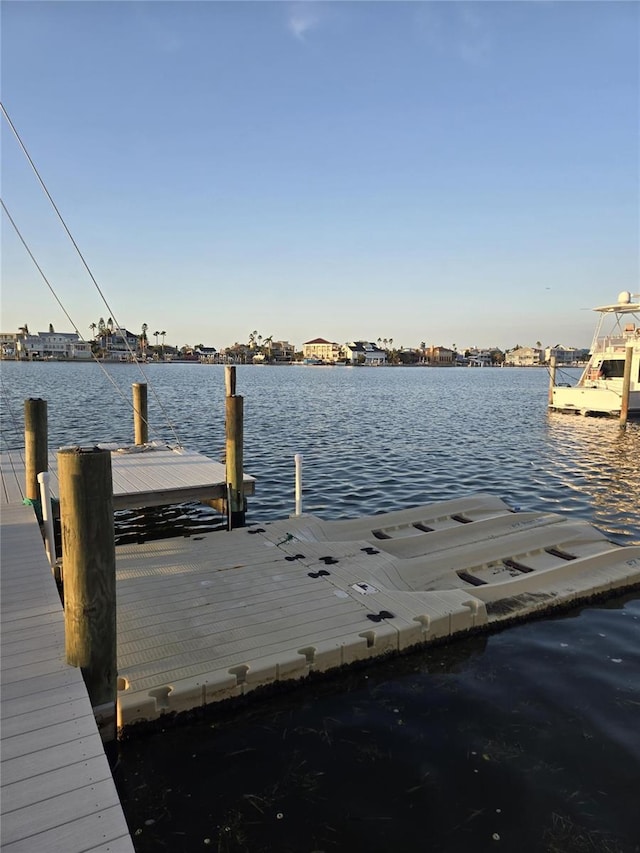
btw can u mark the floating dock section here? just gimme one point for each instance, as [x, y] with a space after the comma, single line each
[151, 474]
[216, 616]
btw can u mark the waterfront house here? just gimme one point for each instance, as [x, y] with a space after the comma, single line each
[524, 357]
[8, 344]
[479, 358]
[119, 344]
[439, 356]
[565, 355]
[281, 352]
[207, 355]
[52, 345]
[322, 350]
[364, 352]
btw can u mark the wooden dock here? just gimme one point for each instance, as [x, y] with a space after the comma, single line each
[57, 791]
[143, 475]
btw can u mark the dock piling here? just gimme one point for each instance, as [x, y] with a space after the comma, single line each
[140, 416]
[36, 445]
[626, 386]
[234, 431]
[553, 364]
[89, 565]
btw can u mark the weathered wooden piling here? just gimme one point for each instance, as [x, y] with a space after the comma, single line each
[234, 430]
[36, 445]
[89, 567]
[553, 366]
[626, 386]
[140, 413]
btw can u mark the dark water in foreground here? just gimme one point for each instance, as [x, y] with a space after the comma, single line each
[523, 740]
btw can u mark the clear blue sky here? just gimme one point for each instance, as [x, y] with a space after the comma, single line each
[449, 172]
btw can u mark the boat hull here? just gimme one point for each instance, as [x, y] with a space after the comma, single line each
[593, 400]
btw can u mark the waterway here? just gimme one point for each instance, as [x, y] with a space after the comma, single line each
[526, 739]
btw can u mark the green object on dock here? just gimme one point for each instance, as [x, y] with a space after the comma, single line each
[37, 507]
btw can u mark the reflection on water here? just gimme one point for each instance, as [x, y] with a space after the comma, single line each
[524, 740]
[595, 457]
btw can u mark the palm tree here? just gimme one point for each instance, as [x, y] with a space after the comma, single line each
[93, 328]
[423, 346]
[107, 331]
[379, 342]
[252, 338]
[155, 335]
[267, 342]
[385, 342]
[143, 338]
[162, 334]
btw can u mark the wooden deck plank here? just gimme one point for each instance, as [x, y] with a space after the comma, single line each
[12, 475]
[21, 687]
[33, 764]
[33, 627]
[64, 807]
[64, 731]
[99, 830]
[18, 655]
[19, 717]
[30, 792]
[48, 725]
[40, 701]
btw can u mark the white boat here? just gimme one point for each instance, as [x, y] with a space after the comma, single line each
[599, 389]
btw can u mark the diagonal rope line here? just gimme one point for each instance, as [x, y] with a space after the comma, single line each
[86, 266]
[66, 313]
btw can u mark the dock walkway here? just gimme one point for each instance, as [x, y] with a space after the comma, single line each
[57, 793]
[143, 475]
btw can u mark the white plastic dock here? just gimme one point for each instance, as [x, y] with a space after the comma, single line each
[57, 793]
[218, 615]
[146, 475]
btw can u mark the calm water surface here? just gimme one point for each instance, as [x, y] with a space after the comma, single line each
[527, 739]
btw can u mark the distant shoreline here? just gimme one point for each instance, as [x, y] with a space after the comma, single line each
[275, 364]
